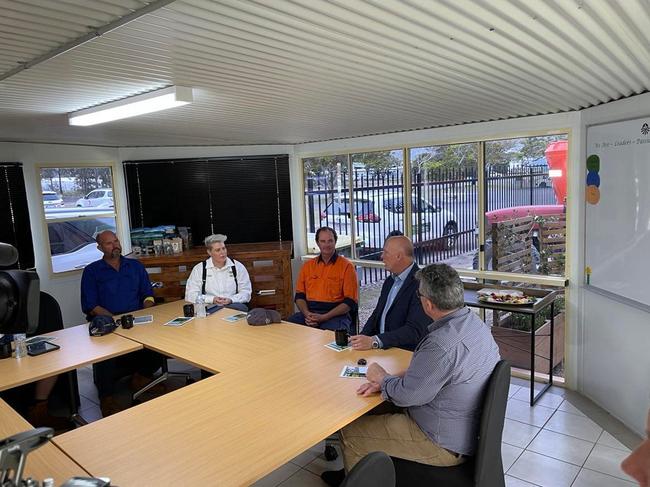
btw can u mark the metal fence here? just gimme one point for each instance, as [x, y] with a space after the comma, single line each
[444, 205]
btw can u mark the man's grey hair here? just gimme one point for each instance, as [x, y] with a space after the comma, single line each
[213, 239]
[442, 285]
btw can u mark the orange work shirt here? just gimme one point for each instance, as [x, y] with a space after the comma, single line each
[328, 284]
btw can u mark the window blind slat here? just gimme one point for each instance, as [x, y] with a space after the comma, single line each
[247, 198]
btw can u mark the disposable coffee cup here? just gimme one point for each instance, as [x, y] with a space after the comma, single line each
[188, 310]
[341, 337]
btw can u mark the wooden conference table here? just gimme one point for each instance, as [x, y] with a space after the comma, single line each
[278, 393]
[46, 461]
[77, 349]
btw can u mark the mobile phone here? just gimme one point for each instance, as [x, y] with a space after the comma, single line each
[39, 348]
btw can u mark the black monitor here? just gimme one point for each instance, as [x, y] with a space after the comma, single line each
[19, 296]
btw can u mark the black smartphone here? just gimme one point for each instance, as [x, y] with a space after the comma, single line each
[39, 348]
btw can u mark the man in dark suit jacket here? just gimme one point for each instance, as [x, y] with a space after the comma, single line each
[398, 320]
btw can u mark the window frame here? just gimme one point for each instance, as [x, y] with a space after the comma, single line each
[558, 281]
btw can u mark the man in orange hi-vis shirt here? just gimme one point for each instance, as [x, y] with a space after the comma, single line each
[327, 289]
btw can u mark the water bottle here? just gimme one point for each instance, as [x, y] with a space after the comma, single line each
[199, 306]
[21, 345]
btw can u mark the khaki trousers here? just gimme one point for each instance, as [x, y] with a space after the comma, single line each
[395, 434]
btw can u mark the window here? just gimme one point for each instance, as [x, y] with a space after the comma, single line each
[523, 177]
[78, 204]
[444, 202]
[327, 200]
[378, 182]
[14, 217]
[525, 224]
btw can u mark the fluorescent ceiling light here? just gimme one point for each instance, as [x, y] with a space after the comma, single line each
[154, 101]
[555, 173]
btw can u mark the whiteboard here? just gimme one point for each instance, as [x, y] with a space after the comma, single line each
[617, 223]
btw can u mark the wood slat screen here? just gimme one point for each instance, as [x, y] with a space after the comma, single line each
[246, 198]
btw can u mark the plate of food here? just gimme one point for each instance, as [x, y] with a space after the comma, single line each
[505, 296]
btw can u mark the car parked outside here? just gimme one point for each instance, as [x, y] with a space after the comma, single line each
[52, 199]
[379, 215]
[97, 198]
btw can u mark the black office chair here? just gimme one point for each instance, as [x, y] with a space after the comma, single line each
[67, 387]
[374, 470]
[486, 468]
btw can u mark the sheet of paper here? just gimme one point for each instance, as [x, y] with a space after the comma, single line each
[336, 348]
[354, 372]
[180, 321]
[141, 320]
[233, 318]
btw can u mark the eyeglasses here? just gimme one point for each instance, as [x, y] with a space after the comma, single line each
[419, 294]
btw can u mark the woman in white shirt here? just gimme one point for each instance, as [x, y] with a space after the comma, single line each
[220, 279]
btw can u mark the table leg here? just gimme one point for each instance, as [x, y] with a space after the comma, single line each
[534, 397]
[75, 417]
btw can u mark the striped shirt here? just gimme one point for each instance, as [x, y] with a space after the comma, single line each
[443, 386]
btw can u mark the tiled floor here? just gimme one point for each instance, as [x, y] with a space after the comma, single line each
[564, 440]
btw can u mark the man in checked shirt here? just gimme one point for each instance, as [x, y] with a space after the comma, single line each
[440, 393]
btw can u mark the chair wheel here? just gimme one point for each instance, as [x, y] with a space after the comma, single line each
[330, 453]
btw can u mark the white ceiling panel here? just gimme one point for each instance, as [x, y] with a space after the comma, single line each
[280, 71]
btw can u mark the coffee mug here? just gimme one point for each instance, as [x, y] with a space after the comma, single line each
[126, 321]
[188, 310]
[341, 337]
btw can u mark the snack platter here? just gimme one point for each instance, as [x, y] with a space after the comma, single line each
[505, 296]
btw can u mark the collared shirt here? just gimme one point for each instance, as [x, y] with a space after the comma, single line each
[398, 280]
[219, 282]
[443, 386]
[328, 283]
[119, 291]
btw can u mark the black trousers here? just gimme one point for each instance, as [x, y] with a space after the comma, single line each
[108, 372]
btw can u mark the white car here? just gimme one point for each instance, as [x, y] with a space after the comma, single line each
[52, 199]
[72, 242]
[378, 216]
[97, 198]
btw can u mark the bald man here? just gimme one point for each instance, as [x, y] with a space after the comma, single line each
[112, 286]
[398, 320]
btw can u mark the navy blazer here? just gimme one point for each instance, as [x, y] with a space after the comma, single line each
[406, 323]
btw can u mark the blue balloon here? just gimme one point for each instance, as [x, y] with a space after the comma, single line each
[593, 179]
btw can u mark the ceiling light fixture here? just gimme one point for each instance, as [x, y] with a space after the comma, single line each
[154, 101]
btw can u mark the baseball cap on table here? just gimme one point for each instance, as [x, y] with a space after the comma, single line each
[261, 316]
[101, 325]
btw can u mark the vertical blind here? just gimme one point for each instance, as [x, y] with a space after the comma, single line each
[246, 198]
[14, 215]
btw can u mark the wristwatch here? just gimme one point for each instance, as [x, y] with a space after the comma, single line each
[375, 342]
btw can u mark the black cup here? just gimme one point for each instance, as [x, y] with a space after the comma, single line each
[341, 337]
[188, 310]
[126, 321]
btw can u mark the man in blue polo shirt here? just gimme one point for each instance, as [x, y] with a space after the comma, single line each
[111, 286]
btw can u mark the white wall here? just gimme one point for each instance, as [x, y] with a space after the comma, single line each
[615, 344]
[64, 288]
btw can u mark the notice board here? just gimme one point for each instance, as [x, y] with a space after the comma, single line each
[617, 224]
